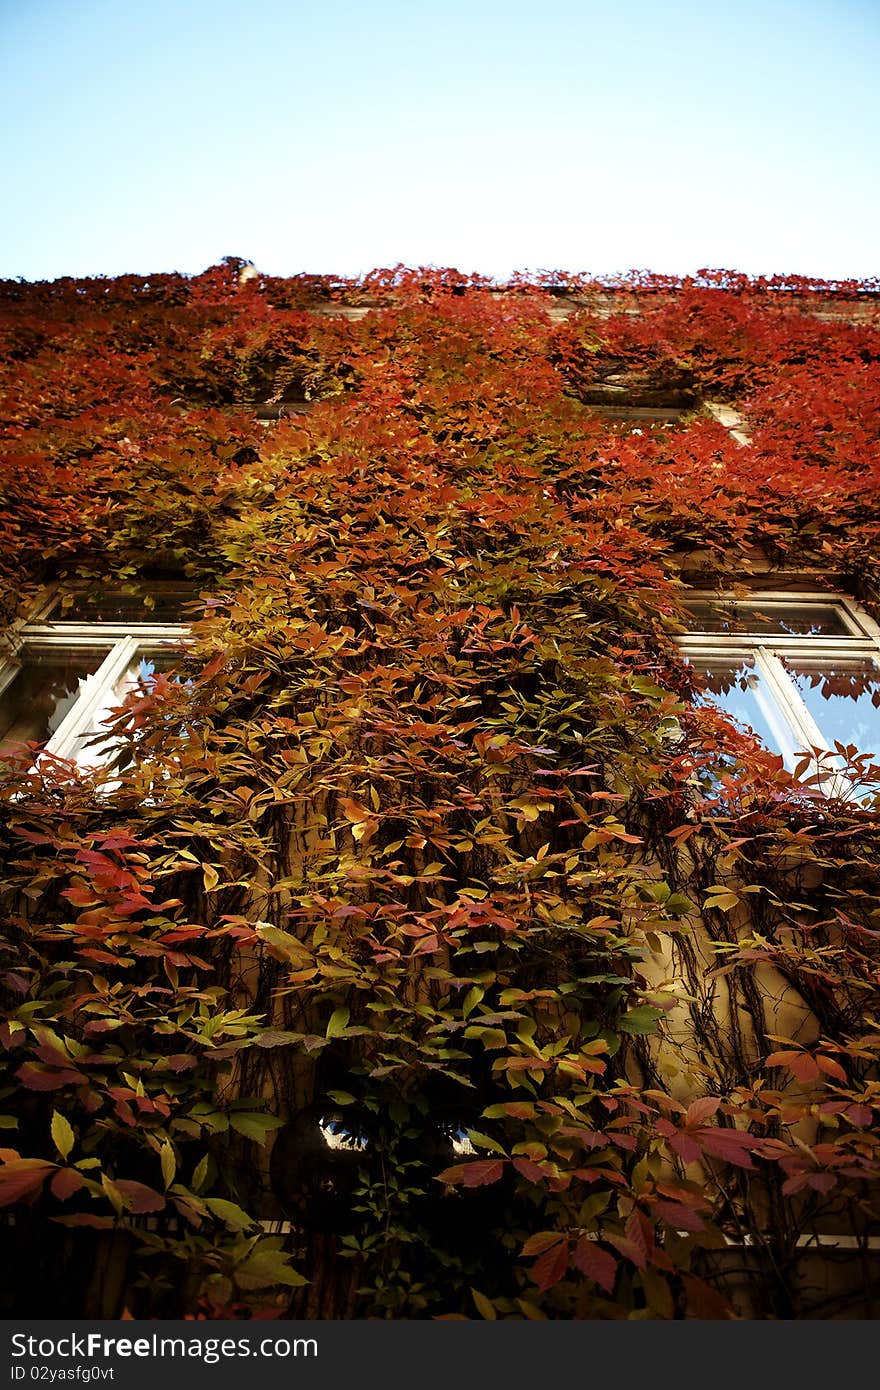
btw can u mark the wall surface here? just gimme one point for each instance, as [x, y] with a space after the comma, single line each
[431, 946]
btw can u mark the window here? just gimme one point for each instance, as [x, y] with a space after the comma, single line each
[638, 419]
[730, 419]
[800, 670]
[76, 658]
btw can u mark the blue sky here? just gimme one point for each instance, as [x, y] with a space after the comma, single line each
[143, 135]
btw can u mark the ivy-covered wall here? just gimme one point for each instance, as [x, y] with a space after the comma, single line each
[436, 956]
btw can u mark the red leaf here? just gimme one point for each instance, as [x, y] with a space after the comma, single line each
[481, 1173]
[801, 1064]
[704, 1301]
[822, 1182]
[104, 957]
[680, 1217]
[80, 897]
[181, 1061]
[53, 1056]
[551, 1267]
[640, 1231]
[685, 1147]
[473, 1174]
[628, 1248]
[729, 1144]
[65, 1183]
[138, 1197]
[99, 1026]
[596, 1263]
[779, 1059]
[39, 1078]
[804, 1067]
[23, 1177]
[860, 1115]
[701, 1110]
[100, 1223]
[529, 1170]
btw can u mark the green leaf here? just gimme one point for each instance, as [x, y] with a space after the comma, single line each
[722, 899]
[640, 1020]
[113, 1193]
[63, 1136]
[338, 1022]
[471, 1000]
[265, 1266]
[342, 1097]
[677, 905]
[230, 1214]
[255, 1124]
[274, 1037]
[282, 943]
[483, 1141]
[491, 1038]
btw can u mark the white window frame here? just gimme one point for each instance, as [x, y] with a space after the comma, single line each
[786, 713]
[730, 420]
[127, 642]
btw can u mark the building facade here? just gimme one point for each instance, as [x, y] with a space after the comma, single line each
[440, 727]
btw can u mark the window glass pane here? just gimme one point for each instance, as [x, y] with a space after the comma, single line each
[43, 691]
[138, 676]
[793, 619]
[144, 603]
[637, 419]
[844, 699]
[738, 690]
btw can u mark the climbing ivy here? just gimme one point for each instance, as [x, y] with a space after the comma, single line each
[430, 918]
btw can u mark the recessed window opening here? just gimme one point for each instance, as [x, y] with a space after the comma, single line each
[75, 662]
[800, 671]
[637, 419]
[140, 602]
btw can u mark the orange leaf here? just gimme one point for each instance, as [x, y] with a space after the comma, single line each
[831, 1068]
[541, 1241]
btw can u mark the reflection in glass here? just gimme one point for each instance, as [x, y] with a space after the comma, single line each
[843, 696]
[41, 694]
[790, 619]
[737, 689]
[141, 603]
[137, 678]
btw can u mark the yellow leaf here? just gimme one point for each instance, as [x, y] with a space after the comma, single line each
[169, 1164]
[62, 1134]
[485, 1306]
